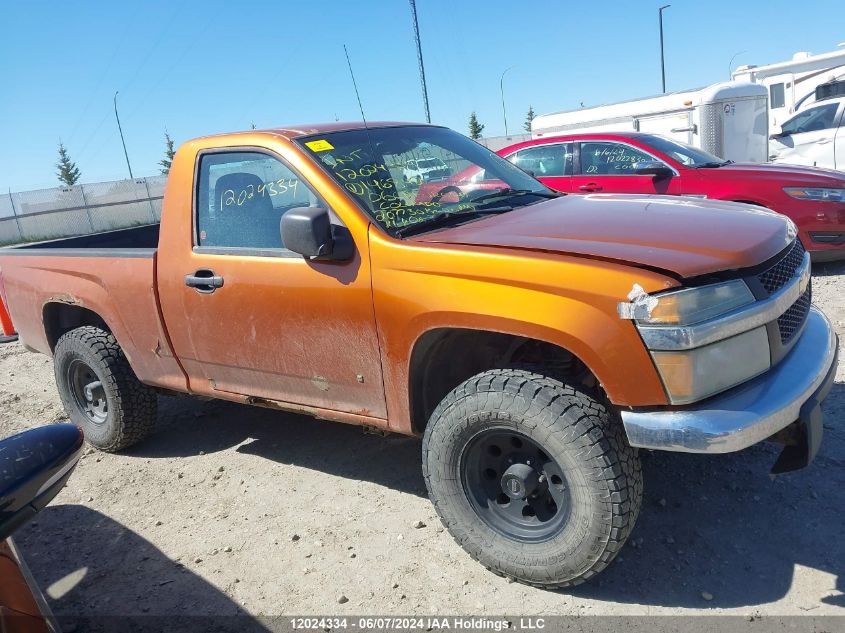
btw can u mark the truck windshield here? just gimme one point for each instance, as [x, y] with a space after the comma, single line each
[388, 171]
[687, 155]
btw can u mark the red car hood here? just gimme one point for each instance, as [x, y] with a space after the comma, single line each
[801, 173]
[685, 236]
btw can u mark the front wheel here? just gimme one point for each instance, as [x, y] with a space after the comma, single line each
[533, 478]
[100, 392]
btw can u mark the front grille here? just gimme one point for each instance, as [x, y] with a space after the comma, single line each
[775, 277]
[791, 321]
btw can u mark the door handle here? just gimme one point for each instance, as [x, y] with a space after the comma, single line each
[204, 281]
[591, 186]
[824, 141]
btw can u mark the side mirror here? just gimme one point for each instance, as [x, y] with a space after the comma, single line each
[309, 232]
[653, 168]
[777, 132]
[34, 466]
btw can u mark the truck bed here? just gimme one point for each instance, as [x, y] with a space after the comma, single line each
[136, 237]
[52, 286]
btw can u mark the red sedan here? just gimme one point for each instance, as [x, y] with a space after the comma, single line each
[646, 163]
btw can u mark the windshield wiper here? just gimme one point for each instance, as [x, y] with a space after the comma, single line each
[445, 218]
[512, 193]
[713, 163]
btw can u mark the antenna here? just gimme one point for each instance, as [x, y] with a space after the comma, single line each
[420, 60]
[355, 85]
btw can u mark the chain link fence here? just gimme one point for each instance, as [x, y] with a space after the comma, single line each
[45, 214]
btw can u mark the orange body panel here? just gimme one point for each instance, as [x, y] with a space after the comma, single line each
[19, 611]
[282, 328]
[118, 289]
[567, 301]
[335, 339]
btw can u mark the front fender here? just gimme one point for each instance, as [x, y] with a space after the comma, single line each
[567, 301]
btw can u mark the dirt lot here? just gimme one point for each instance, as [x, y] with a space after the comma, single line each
[230, 509]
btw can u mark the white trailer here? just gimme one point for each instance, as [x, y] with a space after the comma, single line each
[727, 119]
[792, 84]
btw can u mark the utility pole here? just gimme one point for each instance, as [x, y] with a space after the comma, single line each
[420, 60]
[502, 90]
[120, 129]
[662, 65]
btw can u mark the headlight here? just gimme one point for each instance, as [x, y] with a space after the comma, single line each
[822, 194]
[695, 374]
[693, 305]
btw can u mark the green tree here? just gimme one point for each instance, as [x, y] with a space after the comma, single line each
[529, 117]
[68, 173]
[169, 153]
[475, 128]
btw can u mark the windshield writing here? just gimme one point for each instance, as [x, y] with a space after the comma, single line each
[405, 175]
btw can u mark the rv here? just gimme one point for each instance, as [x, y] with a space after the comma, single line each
[794, 84]
[727, 119]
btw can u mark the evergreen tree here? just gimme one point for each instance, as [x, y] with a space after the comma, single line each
[169, 153]
[475, 128]
[529, 117]
[68, 173]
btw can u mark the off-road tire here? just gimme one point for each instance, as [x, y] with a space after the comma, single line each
[132, 406]
[573, 428]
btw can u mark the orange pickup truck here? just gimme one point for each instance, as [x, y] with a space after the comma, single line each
[535, 341]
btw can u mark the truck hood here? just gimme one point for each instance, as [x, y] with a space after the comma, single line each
[687, 237]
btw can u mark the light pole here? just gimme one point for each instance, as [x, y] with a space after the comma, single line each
[662, 65]
[502, 90]
[731, 63]
[120, 129]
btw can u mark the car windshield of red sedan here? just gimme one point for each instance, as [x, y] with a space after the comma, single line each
[407, 175]
[687, 155]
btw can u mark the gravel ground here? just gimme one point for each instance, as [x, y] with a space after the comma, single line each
[231, 509]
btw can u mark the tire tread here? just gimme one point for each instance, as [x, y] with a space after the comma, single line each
[135, 406]
[598, 435]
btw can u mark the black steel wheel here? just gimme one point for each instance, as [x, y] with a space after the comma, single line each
[100, 392]
[87, 391]
[534, 478]
[514, 486]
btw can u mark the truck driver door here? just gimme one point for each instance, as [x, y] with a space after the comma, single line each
[247, 316]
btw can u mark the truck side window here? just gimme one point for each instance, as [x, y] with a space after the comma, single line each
[241, 197]
[545, 160]
[811, 120]
[610, 159]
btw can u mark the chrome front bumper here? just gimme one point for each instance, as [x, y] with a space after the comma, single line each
[750, 412]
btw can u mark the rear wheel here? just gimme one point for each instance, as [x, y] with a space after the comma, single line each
[100, 392]
[533, 478]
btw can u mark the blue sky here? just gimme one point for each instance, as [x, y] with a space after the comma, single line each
[200, 67]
